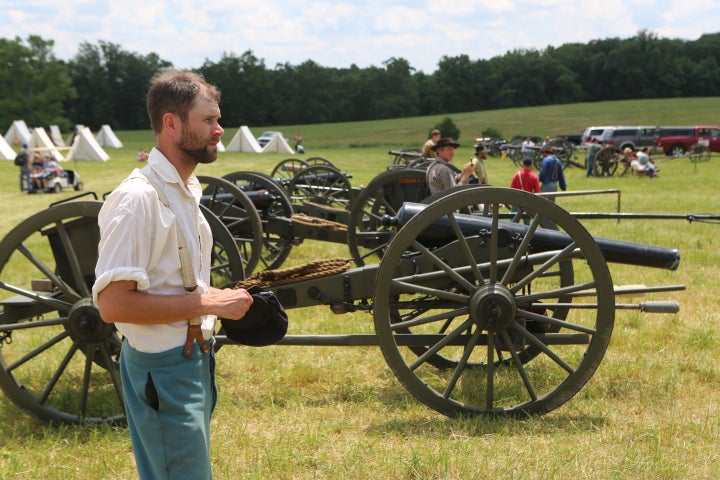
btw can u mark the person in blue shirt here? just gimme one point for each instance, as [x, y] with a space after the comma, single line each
[551, 172]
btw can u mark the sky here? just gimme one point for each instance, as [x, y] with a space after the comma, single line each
[342, 33]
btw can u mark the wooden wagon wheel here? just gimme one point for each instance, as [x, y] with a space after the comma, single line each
[563, 150]
[606, 161]
[237, 212]
[275, 209]
[288, 168]
[323, 185]
[493, 300]
[59, 360]
[384, 195]
[320, 161]
[411, 154]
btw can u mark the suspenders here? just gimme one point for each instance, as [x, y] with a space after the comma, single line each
[194, 332]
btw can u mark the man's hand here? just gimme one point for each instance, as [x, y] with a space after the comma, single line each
[229, 303]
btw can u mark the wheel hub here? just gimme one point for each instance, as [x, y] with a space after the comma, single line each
[86, 324]
[493, 308]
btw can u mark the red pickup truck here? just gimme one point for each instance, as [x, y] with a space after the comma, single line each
[676, 141]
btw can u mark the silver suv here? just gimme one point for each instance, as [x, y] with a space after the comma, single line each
[634, 137]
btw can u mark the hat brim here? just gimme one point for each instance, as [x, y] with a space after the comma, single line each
[438, 147]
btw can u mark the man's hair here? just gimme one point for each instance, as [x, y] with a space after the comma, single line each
[175, 91]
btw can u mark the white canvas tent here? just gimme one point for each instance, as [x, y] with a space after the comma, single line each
[18, 133]
[40, 141]
[220, 146]
[107, 138]
[6, 151]
[74, 132]
[56, 136]
[244, 141]
[277, 144]
[85, 147]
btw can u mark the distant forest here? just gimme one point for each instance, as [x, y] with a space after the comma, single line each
[104, 84]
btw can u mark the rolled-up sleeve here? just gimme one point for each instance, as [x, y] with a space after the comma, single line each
[125, 249]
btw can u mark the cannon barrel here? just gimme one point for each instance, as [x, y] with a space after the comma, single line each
[261, 199]
[618, 251]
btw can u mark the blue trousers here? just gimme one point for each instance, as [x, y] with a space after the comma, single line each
[168, 402]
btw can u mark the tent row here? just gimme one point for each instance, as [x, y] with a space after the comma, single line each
[83, 145]
[244, 141]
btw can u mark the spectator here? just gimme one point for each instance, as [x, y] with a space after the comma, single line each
[593, 149]
[526, 180]
[38, 169]
[439, 175]
[526, 148]
[142, 155]
[298, 144]
[427, 150]
[478, 161]
[551, 172]
[24, 161]
[645, 163]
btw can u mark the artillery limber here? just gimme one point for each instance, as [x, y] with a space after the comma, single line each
[473, 314]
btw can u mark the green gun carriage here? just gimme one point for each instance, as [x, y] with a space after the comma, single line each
[474, 312]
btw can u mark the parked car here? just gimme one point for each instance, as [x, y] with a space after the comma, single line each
[634, 137]
[603, 134]
[676, 141]
[267, 136]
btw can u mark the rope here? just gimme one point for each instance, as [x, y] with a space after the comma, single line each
[284, 276]
[304, 219]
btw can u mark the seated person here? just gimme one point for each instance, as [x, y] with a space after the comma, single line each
[38, 169]
[644, 164]
[48, 169]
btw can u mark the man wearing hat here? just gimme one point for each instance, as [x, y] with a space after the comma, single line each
[551, 172]
[479, 175]
[440, 175]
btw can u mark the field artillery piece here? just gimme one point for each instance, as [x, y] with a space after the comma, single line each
[474, 315]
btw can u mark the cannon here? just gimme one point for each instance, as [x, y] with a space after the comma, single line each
[474, 314]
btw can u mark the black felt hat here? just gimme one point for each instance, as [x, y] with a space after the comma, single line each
[265, 323]
[445, 142]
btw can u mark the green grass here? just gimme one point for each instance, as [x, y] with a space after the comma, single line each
[651, 411]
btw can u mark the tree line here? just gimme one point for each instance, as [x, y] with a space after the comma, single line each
[104, 84]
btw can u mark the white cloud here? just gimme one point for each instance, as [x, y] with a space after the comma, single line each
[341, 33]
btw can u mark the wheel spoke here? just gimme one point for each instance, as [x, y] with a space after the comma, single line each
[467, 350]
[449, 337]
[467, 252]
[42, 398]
[37, 351]
[69, 250]
[48, 272]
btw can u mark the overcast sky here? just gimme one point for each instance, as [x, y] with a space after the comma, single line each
[340, 33]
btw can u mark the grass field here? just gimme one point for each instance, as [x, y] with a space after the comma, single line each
[651, 411]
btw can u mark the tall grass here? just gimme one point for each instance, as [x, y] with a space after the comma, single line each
[652, 410]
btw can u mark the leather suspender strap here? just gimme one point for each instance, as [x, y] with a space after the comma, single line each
[194, 331]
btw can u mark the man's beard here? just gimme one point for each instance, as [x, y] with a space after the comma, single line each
[195, 148]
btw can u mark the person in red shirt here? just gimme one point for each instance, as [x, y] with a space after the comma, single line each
[527, 180]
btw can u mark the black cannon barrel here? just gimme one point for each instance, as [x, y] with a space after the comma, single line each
[618, 251]
[261, 199]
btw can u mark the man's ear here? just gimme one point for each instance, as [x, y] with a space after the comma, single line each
[169, 123]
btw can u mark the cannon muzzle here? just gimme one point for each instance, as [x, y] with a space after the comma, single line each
[617, 251]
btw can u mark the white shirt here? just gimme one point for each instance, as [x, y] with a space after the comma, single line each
[138, 242]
